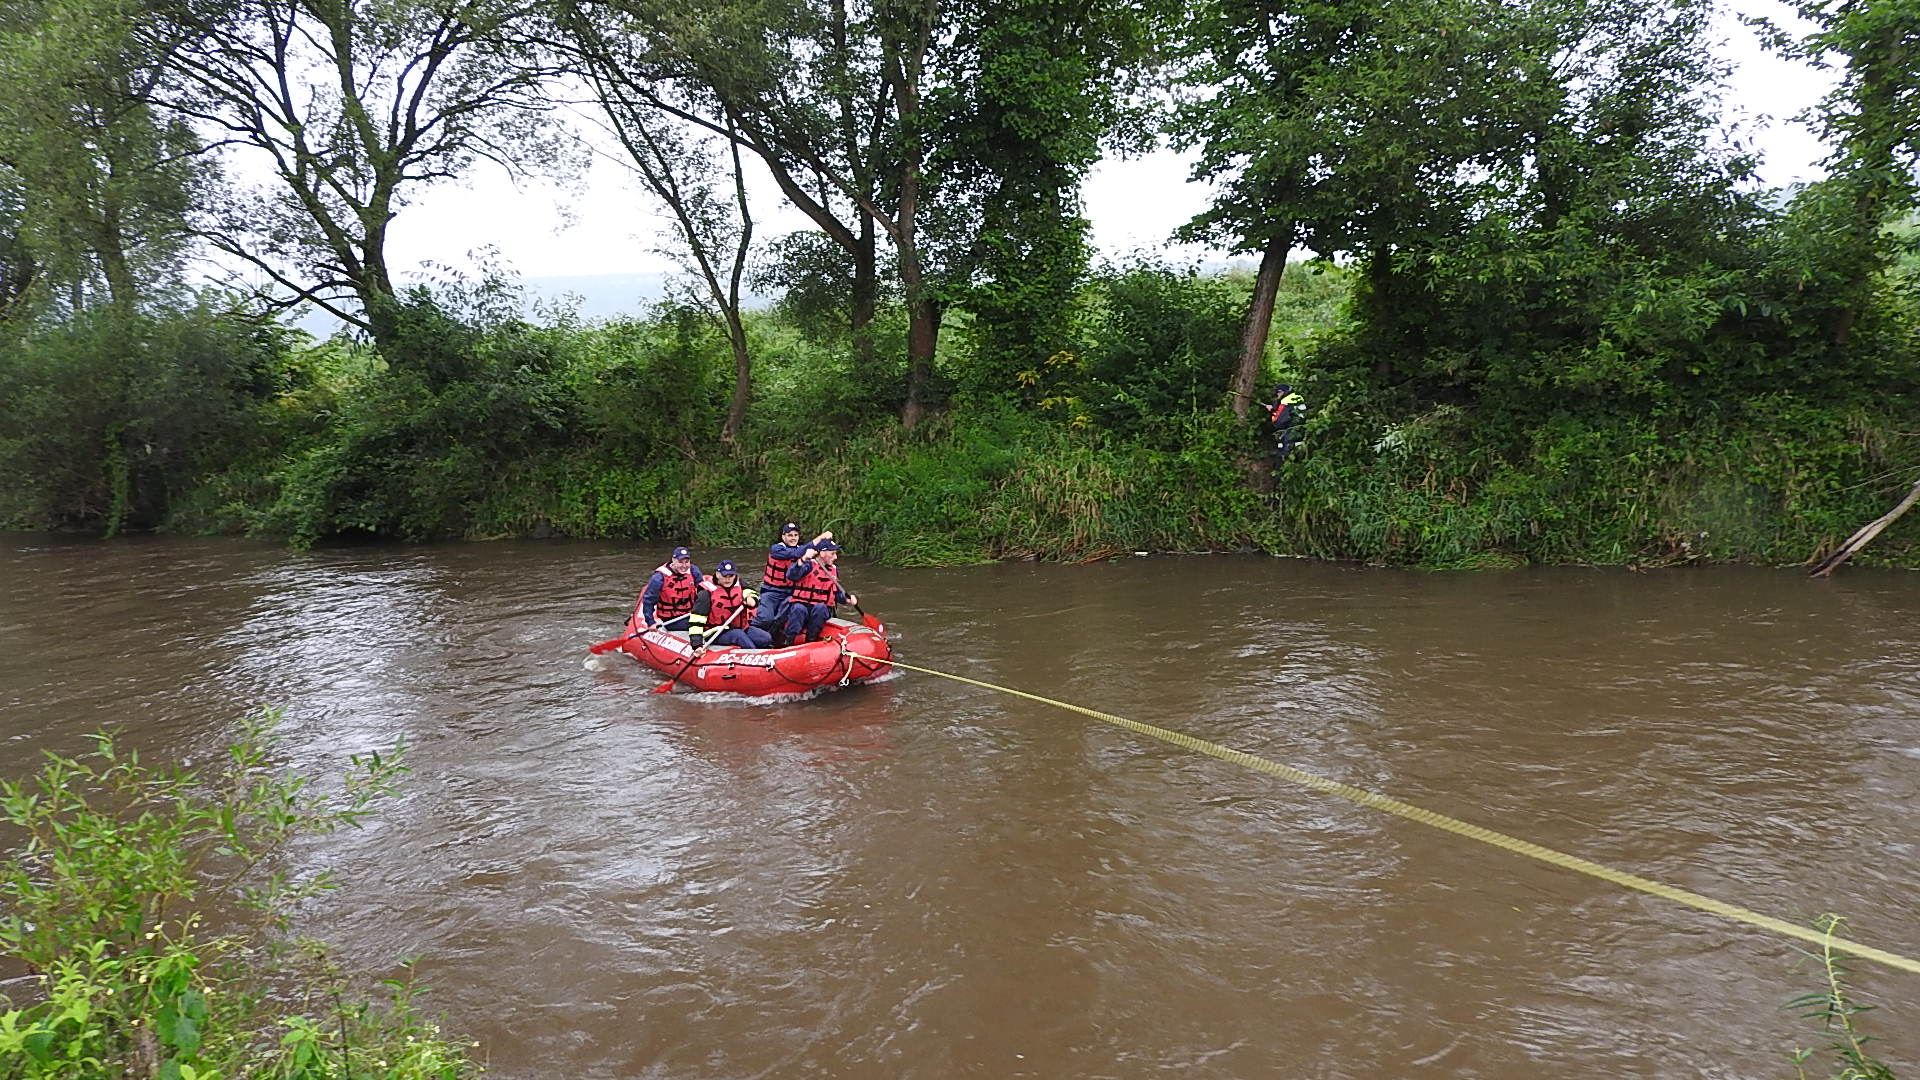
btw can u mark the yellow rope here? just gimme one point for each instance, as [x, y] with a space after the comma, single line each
[1457, 827]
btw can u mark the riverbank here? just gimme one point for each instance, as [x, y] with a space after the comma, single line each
[482, 429]
[1000, 486]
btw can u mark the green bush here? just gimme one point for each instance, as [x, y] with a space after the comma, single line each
[1488, 423]
[1837, 1012]
[1161, 345]
[111, 419]
[419, 449]
[144, 902]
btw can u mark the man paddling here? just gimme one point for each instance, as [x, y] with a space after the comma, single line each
[668, 598]
[716, 605]
[774, 586]
[816, 589]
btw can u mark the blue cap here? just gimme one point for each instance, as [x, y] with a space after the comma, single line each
[725, 566]
[682, 553]
[789, 527]
[826, 545]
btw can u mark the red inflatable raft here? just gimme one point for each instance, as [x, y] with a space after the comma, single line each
[848, 653]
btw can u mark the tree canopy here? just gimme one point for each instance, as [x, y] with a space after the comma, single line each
[1511, 253]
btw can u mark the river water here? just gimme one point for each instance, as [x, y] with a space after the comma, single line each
[924, 879]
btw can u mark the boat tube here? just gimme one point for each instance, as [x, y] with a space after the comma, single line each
[847, 653]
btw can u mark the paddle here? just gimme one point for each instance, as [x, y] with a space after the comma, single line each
[870, 622]
[668, 685]
[612, 643]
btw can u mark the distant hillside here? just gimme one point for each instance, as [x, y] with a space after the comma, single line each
[600, 296]
[594, 296]
[607, 296]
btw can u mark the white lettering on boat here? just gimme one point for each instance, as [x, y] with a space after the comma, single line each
[744, 659]
[736, 658]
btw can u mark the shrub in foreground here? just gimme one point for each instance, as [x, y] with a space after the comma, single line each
[146, 903]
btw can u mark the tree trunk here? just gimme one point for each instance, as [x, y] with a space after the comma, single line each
[1253, 339]
[1866, 534]
[1867, 224]
[865, 299]
[742, 379]
[1380, 290]
[122, 291]
[923, 334]
[381, 312]
[374, 289]
[923, 314]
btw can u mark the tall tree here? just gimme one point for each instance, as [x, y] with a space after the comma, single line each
[356, 105]
[712, 222]
[828, 95]
[1348, 127]
[1029, 90]
[1242, 107]
[915, 118]
[1871, 119]
[104, 181]
[1609, 248]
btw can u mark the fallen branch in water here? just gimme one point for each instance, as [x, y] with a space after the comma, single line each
[1866, 534]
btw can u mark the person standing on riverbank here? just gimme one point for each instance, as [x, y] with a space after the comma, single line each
[1286, 414]
[668, 598]
[816, 589]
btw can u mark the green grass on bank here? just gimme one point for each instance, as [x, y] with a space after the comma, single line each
[210, 422]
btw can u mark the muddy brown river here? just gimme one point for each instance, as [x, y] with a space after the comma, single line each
[925, 879]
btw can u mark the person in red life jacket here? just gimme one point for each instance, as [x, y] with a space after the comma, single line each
[816, 589]
[716, 606]
[774, 586]
[1287, 414]
[668, 598]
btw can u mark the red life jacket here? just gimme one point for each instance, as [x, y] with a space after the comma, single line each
[726, 600]
[1279, 410]
[820, 586]
[676, 594]
[774, 574]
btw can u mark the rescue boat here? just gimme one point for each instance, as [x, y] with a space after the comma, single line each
[847, 653]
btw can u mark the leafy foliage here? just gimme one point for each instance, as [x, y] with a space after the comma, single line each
[113, 417]
[104, 179]
[1159, 346]
[1552, 318]
[416, 453]
[1836, 1010]
[112, 903]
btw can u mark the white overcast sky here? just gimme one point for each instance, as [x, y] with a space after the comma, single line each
[607, 227]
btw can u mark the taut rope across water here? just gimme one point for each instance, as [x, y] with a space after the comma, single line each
[1456, 826]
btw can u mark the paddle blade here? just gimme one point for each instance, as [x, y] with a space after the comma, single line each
[667, 686]
[606, 646]
[870, 622]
